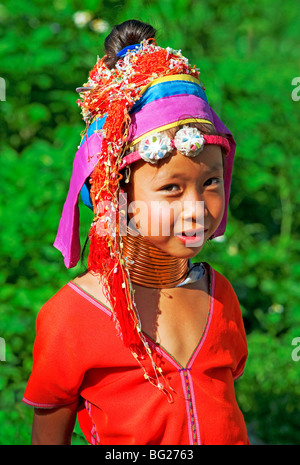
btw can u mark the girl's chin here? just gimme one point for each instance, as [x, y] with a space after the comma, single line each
[177, 247]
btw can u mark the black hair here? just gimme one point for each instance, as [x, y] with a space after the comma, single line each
[129, 32]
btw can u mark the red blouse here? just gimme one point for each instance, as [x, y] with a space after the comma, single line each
[78, 356]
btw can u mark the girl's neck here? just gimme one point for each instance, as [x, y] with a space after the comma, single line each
[151, 267]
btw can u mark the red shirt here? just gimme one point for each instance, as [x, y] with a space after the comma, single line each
[78, 356]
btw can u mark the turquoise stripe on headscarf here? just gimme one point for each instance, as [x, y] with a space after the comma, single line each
[85, 190]
[169, 89]
[85, 195]
[95, 126]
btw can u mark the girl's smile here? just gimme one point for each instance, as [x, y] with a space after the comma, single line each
[182, 200]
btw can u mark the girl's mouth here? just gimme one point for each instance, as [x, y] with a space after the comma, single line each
[192, 237]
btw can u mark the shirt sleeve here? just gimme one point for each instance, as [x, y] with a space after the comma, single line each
[56, 373]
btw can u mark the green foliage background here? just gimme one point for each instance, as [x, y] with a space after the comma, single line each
[248, 54]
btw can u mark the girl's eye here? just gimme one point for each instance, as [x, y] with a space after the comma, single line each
[170, 188]
[212, 181]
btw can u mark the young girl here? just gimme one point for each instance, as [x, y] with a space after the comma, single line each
[144, 347]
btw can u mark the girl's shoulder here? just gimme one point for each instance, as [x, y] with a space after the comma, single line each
[70, 303]
[91, 284]
[226, 301]
[221, 282]
[223, 290]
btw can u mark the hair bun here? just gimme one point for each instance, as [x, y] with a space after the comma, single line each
[127, 33]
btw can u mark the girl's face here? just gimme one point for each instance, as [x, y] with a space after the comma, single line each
[179, 203]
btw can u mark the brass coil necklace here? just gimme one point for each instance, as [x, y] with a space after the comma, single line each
[151, 267]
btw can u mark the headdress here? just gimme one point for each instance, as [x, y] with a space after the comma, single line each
[149, 90]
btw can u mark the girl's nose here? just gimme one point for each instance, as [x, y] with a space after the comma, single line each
[193, 209]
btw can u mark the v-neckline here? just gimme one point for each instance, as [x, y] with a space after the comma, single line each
[158, 347]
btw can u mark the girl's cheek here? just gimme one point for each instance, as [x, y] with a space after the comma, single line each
[162, 216]
[138, 215]
[155, 218]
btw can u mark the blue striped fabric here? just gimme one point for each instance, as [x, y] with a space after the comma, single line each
[168, 89]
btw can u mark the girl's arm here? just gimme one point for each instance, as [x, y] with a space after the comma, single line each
[53, 426]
